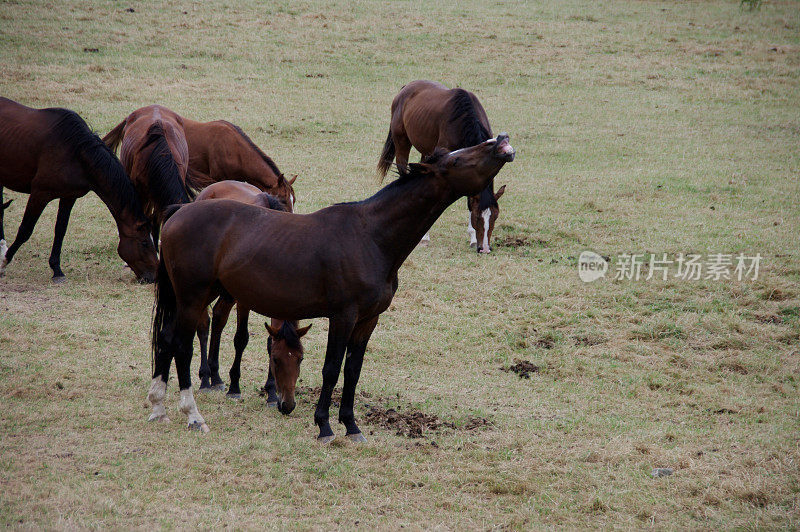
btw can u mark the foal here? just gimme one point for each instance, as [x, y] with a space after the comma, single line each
[340, 262]
[283, 346]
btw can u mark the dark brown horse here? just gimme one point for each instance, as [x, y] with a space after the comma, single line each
[284, 346]
[427, 115]
[52, 153]
[154, 153]
[220, 151]
[340, 262]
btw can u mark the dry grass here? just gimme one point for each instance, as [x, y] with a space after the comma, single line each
[631, 121]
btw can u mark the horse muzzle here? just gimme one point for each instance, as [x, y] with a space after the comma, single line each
[286, 407]
[503, 148]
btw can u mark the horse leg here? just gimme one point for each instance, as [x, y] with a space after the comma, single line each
[473, 238]
[339, 332]
[202, 336]
[269, 387]
[185, 331]
[34, 208]
[222, 309]
[2, 210]
[402, 149]
[162, 359]
[64, 209]
[356, 347]
[240, 340]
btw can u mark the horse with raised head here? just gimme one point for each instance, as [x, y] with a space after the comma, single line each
[52, 153]
[340, 262]
[154, 152]
[284, 346]
[427, 115]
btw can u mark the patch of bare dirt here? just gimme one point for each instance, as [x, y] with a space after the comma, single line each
[523, 368]
[517, 241]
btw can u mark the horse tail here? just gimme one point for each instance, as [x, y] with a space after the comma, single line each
[114, 136]
[387, 156]
[165, 310]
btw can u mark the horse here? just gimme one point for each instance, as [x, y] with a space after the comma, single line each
[220, 151]
[52, 153]
[283, 346]
[427, 115]
[156, 157]
[340, 262]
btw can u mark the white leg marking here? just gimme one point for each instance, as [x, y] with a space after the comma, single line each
[189, 407]
[158, 389]
[486, 214]
[3, 261]
[426, 237]
[291, 202]
[473, 241]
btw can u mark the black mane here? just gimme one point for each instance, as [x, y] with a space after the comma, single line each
[487, 198]
[87, 147]
[165, 186]
[274, 203]
[267, 159]
[288, 333]
[465, 119]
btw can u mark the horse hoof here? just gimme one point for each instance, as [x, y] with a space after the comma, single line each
[325, 440]
[473, 244]
[218, 387]
[205, 389]
[357, 438]
[59, 279]
[156, 417]
[272, 404]
[201, 427]
[234, 396]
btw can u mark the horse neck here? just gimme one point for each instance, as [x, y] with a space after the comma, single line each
[403, 212]
[104, 185]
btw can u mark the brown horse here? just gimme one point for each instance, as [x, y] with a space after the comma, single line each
[427, 115]
[154, 153]
[340, 262]
[52, 153]
[284, 346]
[220, 151]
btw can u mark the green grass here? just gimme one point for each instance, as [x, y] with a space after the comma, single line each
[631, 121]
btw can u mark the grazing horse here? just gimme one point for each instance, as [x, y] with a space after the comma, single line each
[154, 153]
[284, 346]
[340, 262]
[52, 153]
[427, 115]
[221, 151]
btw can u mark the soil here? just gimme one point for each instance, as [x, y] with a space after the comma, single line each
[523, 368]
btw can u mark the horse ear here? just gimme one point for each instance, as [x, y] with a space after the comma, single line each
[420, 168]
[303, 330]
[272, 332]
[291, 181]
[499, 192]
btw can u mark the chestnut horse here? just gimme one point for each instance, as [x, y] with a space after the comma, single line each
[284, 346]
[52, 153]
[221, 151]
[154, 153]
[427, 115]
[340, 262]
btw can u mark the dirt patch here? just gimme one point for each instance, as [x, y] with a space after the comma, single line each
[523, 368]
[416, 424]
[588, 339]
[517, 241]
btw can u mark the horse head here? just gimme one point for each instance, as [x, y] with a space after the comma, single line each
[468, 170]
[285, 357]
[483, 213]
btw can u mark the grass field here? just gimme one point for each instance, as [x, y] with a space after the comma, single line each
[640, 127]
